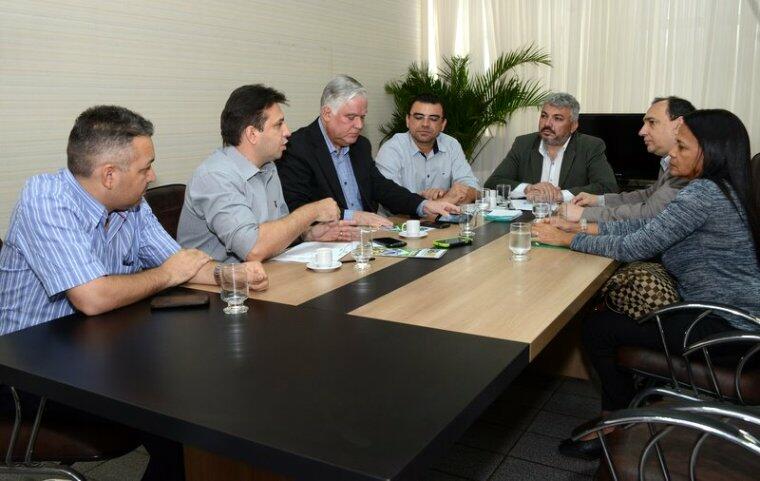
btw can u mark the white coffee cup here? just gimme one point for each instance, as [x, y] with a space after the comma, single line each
[411, 227]
[323, 257]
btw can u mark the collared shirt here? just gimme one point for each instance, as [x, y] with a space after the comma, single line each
[550, 170]
[58, 239]
[226, 200]
[346, 177]
[664, 165]
[401, 161]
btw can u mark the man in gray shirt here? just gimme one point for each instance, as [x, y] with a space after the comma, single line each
[424, 159]
[234, 208]
[659, 133]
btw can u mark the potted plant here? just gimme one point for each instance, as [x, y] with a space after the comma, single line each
[473, 102]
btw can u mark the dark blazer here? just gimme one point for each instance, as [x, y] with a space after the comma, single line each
[307, 174]
[584, 165]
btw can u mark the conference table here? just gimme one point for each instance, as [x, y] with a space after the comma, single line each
[343, 375]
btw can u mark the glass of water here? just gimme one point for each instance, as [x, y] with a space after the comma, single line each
[481, 199]
[504, 190]
[519, 240]
[541, 207]
[234, 288]
[467, 219]
[362, 249]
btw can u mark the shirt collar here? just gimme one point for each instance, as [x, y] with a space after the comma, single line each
[665, 163]
[542, 147]
[413, 150]
[330, 146]
[92, 209]
[244, 167]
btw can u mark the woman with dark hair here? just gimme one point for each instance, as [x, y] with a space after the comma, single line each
[708, 239]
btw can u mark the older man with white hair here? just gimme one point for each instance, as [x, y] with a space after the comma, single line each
[330, 158]
[557, 161]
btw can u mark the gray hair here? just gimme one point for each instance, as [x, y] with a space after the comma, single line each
[104, 134]
[340, 90]
[564, 100]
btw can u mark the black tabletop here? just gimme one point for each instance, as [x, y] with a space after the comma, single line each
[305, 392]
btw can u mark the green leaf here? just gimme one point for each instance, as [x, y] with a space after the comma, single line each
[473, 102]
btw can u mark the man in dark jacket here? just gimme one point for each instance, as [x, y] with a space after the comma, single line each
[556, 162]
[330, 158]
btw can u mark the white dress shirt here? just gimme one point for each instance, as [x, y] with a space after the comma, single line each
[549, 171]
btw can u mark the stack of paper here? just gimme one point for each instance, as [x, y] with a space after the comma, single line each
[304, 252]
[502, 215]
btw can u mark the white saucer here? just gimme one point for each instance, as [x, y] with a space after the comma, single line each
[315, 268]
[421, 234]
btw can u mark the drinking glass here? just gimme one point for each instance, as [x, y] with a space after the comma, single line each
[467, 219]
[504, 190]
[234, 288]
[519, 240]
[362, 249]
[481, 199]
[541, 207]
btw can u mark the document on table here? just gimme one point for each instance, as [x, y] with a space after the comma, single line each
[522, 204]
[304, 252]
[502, 215]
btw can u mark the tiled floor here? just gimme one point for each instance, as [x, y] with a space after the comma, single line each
[515, 439]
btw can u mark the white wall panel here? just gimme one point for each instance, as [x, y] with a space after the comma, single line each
[176, 62]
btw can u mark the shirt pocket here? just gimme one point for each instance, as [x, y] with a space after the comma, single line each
[11, 260]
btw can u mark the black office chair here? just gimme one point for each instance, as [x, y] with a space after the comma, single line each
[166, 203]
[64, 436]
[696, 371]
[683, 440]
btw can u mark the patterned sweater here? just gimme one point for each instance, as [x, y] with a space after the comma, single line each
[705, 244]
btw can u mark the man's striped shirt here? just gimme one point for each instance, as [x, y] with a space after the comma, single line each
[58, 239]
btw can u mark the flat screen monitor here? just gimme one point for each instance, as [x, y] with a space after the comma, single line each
[625, 149]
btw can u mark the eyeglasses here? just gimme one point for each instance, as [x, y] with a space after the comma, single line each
[432, 118]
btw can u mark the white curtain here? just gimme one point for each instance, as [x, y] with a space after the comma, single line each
[613, 55]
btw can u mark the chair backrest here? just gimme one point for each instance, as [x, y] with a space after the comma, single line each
[166, 202]
[723, 366]
[688, 440]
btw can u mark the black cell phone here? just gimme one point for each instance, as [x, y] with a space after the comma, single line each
[389, 242]
[435, 224]
[453, 218]
[180, 299]
[453, 242]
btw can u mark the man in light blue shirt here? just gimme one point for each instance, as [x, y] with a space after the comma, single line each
[85, 239]
[424, 159]
[234, 207]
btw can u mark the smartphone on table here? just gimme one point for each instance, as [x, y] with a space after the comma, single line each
[389, 242]
[452, 242]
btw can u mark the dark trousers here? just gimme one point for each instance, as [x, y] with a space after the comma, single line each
[605, 331]
[166, 457]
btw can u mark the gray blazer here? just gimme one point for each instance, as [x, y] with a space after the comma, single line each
[584, 165]
[639, 204]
